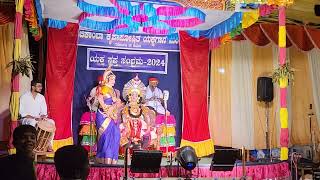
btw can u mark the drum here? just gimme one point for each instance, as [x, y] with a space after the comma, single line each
[45, 130]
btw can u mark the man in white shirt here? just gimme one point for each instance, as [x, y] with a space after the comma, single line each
[33, 107]
[154, 96]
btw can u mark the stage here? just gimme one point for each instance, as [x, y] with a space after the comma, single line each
[279, 170]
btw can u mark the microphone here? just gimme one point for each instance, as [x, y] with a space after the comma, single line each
[165, 98]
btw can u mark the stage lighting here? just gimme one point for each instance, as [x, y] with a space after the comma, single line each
[187, 158]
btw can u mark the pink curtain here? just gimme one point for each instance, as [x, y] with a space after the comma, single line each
[256, 172]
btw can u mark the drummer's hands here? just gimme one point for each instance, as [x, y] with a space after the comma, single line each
[29, 116]
[42, 117]
[38, 119]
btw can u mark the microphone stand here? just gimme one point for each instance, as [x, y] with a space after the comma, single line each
[244, 172]
[169, 155]
[311, 136]
[126, 164]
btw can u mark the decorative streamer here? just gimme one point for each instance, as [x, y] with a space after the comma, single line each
[39, 12]
[120, 8]
[183, 23]
[249, 18]
[236, 31]
[170, 10]
[220, 29]
[265, 10]
[269, 2]
[98, 25]
[215, 43]
[162, 20]
[152, 30]
[97, 10]
[53, 23]
[31, 17]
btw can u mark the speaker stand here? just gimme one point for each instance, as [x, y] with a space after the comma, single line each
[267, 134]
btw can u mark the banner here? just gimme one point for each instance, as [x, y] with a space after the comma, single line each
[127, 61]
[131, 41]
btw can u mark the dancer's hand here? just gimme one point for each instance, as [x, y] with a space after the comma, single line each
[29, 116]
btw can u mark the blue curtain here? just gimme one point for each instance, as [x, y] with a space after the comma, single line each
[85, 80]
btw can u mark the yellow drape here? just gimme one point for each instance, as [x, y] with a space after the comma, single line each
[220, 95]
[301, 97]
[6, 51]
[263, 66]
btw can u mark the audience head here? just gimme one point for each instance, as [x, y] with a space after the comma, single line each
[36, 86]
[72, 162]
[24, 139]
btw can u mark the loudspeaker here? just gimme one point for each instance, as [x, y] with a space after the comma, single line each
[145, 161]
[317, 9]
[265, 89]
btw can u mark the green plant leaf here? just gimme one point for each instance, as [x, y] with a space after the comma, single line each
[23, 65]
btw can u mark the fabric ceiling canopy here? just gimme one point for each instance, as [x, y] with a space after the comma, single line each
[302, 37]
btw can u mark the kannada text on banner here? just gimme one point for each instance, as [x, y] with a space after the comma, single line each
[127, 61]
[131, 41]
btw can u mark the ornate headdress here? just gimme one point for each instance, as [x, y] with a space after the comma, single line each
[108, 73]
[134, 85]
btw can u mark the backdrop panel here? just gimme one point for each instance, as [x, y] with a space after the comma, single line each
[85, 80]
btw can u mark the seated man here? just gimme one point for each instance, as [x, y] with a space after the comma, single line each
[72, 163]
[20, 165]
[33, 108]
[154, 96]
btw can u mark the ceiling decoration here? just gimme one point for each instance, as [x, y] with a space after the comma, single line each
[204, 4]
[269, 2]
[129, 17]
[212, 19]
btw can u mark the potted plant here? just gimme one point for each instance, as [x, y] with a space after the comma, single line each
[283, 74]
[22, 65]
